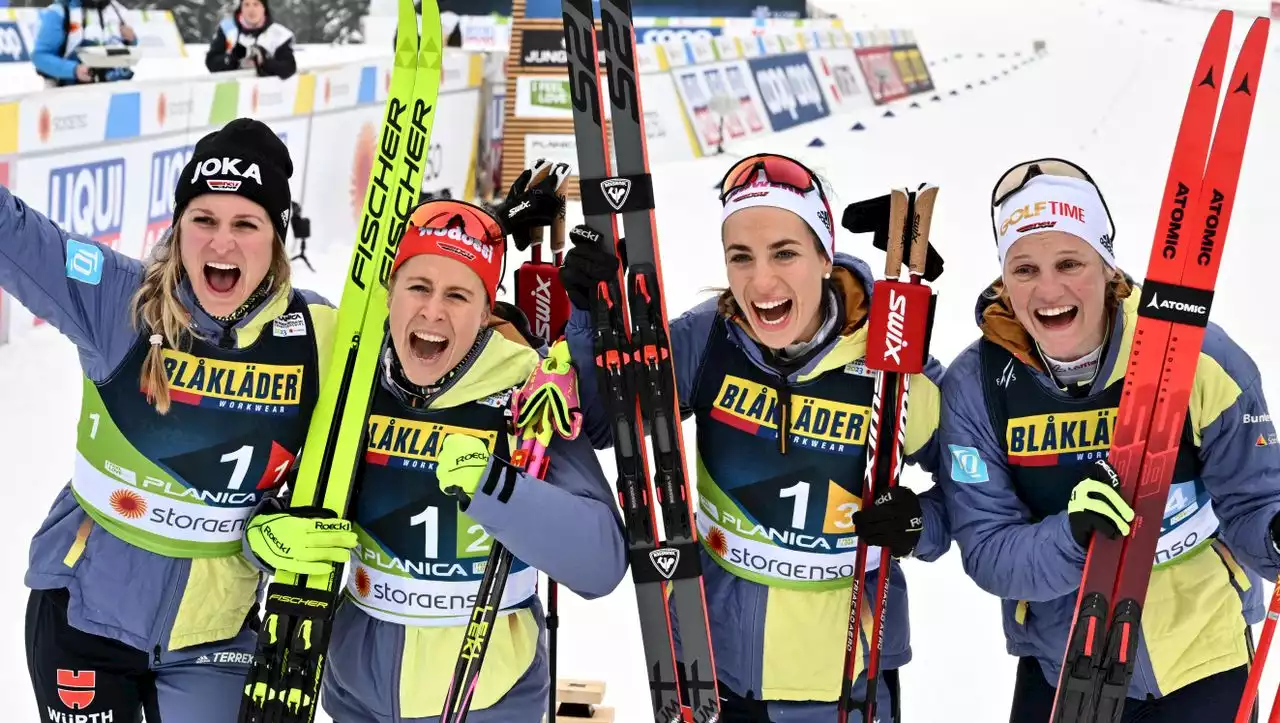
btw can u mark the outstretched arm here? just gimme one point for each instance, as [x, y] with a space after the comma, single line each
[80, 287]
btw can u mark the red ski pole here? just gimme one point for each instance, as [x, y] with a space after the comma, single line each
[1245, 712]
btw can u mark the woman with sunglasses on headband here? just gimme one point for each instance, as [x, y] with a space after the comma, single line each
[437, 488]
[1027, 416]
[778, 511]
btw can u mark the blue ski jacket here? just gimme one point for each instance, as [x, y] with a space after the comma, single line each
[777, 642]
[1204, 589]
[58, 37]
[174, 608]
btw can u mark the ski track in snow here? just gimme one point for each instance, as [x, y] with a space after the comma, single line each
[1108, 95]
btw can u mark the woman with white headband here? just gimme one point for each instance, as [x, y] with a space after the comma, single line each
[777, 512]
[1027, 416]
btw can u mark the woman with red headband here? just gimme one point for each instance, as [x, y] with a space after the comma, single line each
[1028, 413]
[425, 514]
[776, 514]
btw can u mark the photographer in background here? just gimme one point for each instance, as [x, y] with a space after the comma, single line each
[84, 41]
[251, 39]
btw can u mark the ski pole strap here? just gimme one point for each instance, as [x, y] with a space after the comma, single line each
[550, 400]
[616, 194]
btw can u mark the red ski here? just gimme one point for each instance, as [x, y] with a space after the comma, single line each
[1173, 312]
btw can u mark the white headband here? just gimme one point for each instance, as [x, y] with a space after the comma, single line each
[809, 207]
[1055, 203]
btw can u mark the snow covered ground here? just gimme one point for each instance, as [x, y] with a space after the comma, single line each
[1108, 95]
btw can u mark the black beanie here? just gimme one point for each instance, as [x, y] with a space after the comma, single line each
[244, 157]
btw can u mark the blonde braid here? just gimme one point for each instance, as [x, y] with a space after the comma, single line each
[156, 307]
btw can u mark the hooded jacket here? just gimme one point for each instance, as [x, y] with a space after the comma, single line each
[173, 607]
[774, 643]
[233, 44]
[1198, 603]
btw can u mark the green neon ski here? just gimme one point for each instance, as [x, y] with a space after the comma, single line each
[283, 685]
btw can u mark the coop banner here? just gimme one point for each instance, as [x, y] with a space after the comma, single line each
[789, 89]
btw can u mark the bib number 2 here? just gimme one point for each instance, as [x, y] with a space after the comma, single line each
[430, 520]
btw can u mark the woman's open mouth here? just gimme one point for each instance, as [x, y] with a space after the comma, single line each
[221, 277]
[772, 314]
[427, 347]
[1056, 318]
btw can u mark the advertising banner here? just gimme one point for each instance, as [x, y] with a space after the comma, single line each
[539, 97]
[912, 69]
[13, 47]
[669, 136]
[541, 48]
[452, 156]
[839, 79]
[336, 179]
[665, 34]
[789, 89]
[554, 147]
[720, 91]
[881, 74]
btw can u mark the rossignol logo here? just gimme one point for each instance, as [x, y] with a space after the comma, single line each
[454, 234]
[1173, 228]
[616, 191]
[224, 166]
[1169, 305]
[542, 307]
[895, 332]
[665, 560]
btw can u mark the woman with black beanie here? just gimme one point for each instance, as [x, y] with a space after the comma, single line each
[201, 368]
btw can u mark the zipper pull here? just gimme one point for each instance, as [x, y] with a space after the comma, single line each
[784, 414]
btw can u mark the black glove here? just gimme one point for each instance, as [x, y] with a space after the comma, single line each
[1096, 505]
[894, 520]
[587, 263]
[529, 207]
[236, 54]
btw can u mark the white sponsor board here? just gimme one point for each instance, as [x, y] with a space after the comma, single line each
[840, 78]
[699, 86]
